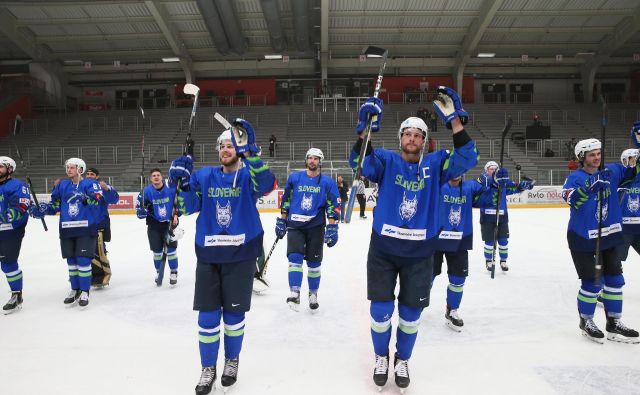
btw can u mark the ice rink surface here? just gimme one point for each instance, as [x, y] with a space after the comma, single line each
[520, 336]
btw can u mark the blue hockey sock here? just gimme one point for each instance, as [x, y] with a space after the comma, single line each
[612, 295]
[295, 271]
[14, 275]
[73, 273]
[454, 291]
[209, 336]
[407, 330]
[233, 333]
[587, 298]
[172, 258]
[84, 272]
[503, 248]
[488, 250]
[157, 259]
[313, 276]
[381, 313]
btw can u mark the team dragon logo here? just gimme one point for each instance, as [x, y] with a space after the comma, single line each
[223, 214]
[455, 216]
[307, 202]
[408, 207]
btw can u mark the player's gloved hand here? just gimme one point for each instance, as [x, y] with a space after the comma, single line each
[180, 171]
[635, 134]
[598, 181]
[5, 217]
[485, 180]
[281, 227]
[77, 197]
[501, 177]
[243, 137]
[141, 213]
[331, 235]
[38, 211]
[371, 108]
[527, 184]
[448, 106]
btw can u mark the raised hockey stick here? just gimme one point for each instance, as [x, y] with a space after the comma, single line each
[374, 52]
[142, 175]
[17, 128]
[507, 126]
[598, 262]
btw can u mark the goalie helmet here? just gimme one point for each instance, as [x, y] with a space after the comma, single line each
[78, 162]
[628, 154]
[8, 163]
[490, 164]
[226, 135]
[585, 146]
[317, 152]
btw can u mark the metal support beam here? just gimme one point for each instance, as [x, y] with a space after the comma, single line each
[324, 40]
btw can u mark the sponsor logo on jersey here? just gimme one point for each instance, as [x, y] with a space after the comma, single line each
[455, 216]
[223, 214]
[302, 218]
[307, 202]
[74, 224]
[450, 235]
[606, 230]
[223, 240]
[408, 207]
[403, 233]
[4, 227]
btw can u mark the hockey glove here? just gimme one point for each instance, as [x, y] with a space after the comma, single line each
[371, 109]
[527, 184]
[448, 106]
[180, 171]
[485, 180]
[6, 217]
[598, 181]
[243, 137]
[281, 227]
[501, 177]
[141, 212]
[331, 235]
[38, 211]
[77, 197]
[635, 134]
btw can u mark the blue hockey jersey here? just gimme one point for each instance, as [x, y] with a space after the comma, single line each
[76, 219]
[456, 215]
[228, 228]
[14, 203]
[307, 199]
[406, 217]
[630, 202]
[582, 231]
[488, 213]
[159, 205]
[110, 196]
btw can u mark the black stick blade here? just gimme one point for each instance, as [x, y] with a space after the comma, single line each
[374, 52]
[17, 126]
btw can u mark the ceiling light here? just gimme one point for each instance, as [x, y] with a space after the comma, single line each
[591, 53]
[171, 60]
[272, 57]
[486, 54]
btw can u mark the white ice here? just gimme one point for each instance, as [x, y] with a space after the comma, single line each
[520, 336]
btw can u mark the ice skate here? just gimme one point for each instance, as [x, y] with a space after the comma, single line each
[401, 369]
[313, 302]
[619, 332]
[83, 300]
[207, 380]
[489, 265]
[14, 304]
[503, 266]
[381, 371]
[453, 320]
[294, 300]
[72, 298]
[230, 373]
[173, 278]
[591, 331]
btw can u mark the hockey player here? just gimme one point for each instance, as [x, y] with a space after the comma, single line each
[14, 205]
[629, 193]
[308, 196]
[155, 204]
[77, 199]
[100, 267]
[228, 241]
[456, 238]
[406, 223]
[589, 192]
[494, 176]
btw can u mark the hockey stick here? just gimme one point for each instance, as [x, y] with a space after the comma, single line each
[142, 176]
[598, 273]
[374, 52]
[496, 229]
[261, 272]
[17, 128]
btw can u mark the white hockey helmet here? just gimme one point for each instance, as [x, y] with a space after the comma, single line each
[8, 163]
[317, 152]
[226, 135]
[414, 122]
[490, 164]
[78, 162]
[584, 146]
[628, 153]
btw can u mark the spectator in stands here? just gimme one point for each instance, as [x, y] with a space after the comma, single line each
[536, 120]
[433, 122]
[343, 188]
[572, 165]
[423, 114]
[570, 148]
[272, 145]
[549, 153]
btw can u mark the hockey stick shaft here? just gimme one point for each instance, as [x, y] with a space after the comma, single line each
[142, 176]
[496, 229]
[262, 272]
[366, 135]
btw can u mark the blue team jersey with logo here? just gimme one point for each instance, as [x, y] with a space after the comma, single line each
[406, 217]
[228, 228]
[630, 203]
[307, 199]
[456, 215]
[14, 203]
[488, 213]
[81, 218]
[159, 205]
[582, 231]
